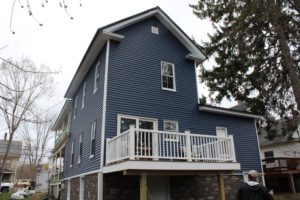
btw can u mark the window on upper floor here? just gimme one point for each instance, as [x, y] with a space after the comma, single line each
[168, 76]
[80, 149]
[97, 77]
[84, 90]
[171, 126]
[93, 139]
[221, 131]
[75, 107]
[72, 154]
[154, 30]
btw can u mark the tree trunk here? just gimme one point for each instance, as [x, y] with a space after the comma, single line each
[5, 156]
[289, 65]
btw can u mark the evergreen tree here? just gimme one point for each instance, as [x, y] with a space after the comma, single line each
[256, 46]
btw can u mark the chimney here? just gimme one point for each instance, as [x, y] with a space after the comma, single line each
[5, 136]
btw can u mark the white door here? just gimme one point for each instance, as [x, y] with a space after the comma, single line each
[158, 187]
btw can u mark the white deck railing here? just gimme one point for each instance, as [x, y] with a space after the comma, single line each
[137, 144]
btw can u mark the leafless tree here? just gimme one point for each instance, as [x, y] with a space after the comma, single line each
[36, 143]
[21, 86]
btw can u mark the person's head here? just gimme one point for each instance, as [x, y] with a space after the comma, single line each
[253, 175]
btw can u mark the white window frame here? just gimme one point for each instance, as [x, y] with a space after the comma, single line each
[155, 30]
[72, 154]
[97, 76]
[173, 138]
[161, 72]
[221, 128]
[75, 107]
[93, 137]
[83, 95]
[80, 149]
[137, 120]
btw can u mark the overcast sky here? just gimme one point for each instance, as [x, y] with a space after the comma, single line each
[61, 42]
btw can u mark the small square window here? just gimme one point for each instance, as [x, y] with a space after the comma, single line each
[154, 30]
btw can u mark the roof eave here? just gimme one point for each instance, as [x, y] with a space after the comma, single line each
[229, 112]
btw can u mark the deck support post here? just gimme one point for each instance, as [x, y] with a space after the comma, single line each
[292, 183]
[143, 187]
[221, 186]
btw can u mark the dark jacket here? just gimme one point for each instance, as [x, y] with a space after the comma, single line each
[255, 192]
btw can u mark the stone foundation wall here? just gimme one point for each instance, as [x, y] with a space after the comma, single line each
[91, 187]
[203, 187]
[120, 187]
[75, 186]
[64, 190]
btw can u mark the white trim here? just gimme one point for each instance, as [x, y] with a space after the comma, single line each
[229, 112]
[170, 166]
[83, 174]
[69, 190]
[104, 102]
[137, 118]
[259, 152]
[81, 188]
[197, 82]
[100, 186]
[96, 77]
[174, 77]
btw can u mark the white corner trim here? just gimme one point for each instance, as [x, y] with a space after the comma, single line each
[104, 103]
[229, 112]
[170, 166]
[197, 82]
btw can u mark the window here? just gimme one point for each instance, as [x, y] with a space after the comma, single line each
[221, 131]
[93, 140]
[72, 154]
[168, 76]
[124, 122]
[75, 107]
[154, 30]
[171, 126]
[80, 148]
[83, 95]
[97, 76]
[269, 154]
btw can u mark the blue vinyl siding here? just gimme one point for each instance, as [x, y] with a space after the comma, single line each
[134, 88]
[82, 123]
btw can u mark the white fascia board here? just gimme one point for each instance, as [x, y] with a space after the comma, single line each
[63, 113]
[170, 166]
[89, 59]
[229, 112]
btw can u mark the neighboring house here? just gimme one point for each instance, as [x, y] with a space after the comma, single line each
[134, 128]
[12, 160]
[42, 181]
[281, 158]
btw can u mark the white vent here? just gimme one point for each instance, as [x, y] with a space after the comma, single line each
[154, 29]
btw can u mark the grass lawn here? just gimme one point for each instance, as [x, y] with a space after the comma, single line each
[37, 196]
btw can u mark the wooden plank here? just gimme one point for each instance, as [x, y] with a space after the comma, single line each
[143, 187]
[221, 186]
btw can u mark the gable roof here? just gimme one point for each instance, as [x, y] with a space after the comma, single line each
[108, 32]
[14, 150]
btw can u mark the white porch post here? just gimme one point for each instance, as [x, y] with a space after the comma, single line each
[100, 186]
[60, 160]
[155, 145]
[131, 142]
[232, 148]
[188, 145]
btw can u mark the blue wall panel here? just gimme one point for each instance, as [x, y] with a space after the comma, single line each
[134, 88]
